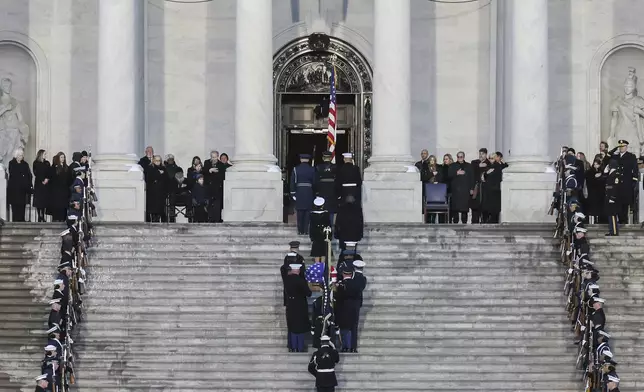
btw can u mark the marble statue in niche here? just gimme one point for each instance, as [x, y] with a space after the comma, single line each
[627, 115]
[14, 132]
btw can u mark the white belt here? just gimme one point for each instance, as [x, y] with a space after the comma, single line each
[349, 184]
[325, 370]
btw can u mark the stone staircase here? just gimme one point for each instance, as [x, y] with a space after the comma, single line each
[29, 254]
[192, 308]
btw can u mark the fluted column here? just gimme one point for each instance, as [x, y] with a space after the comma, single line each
[253, 186]
[119, 180]
[391, 174]
[527, 184]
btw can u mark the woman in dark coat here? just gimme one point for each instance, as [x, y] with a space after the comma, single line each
[42, 172]
[596, 185]
[443, 172]
[59, 188]
[319, 220]
[349, 224]
[193, 171]
[461, 178]
[491, 190]
[156, 182]
[19, 186]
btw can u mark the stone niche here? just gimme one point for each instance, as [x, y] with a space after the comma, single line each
[17, 65]
[623, 72]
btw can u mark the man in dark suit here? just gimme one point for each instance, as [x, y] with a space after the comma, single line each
[479, 166]
[629, 174]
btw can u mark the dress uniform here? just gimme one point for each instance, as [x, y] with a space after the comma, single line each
[361, 280]
[292, 257]
[613, 198]
[348, 306]
[319, 222]
[629, 172]
[325, 184]
[349, 224]
[322, 366]
[302, 192]
[297, 309]
[347, 256]
[42, 383]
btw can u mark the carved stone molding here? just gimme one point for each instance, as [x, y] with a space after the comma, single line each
[293, 65]
[43, 88]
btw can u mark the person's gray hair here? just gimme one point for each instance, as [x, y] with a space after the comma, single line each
[169, 156]
[424, 150]
[214, 152]
[19, 151]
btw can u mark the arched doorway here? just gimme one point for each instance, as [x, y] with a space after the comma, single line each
[301, 72]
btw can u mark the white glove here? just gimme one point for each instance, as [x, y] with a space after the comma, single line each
[294, 198]
[611, 201]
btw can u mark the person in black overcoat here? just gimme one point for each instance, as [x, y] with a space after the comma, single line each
[195, 169]
[596, 185]
[297, 308]
[491, 190]
[155, 190]
[319, 221]
[214, 180]
[479, 166]
[42, 172]
[443, 171]
[613, 197]
[19, 188]
[629, 174]
[59, 188]
[324, 187]
[461, 180]
[347, 298]
[200, 200]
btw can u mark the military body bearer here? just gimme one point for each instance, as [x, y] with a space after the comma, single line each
[347, 308]
[325, 184]
[297, 308]
[302, 192]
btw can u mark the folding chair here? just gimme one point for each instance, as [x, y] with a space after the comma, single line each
[436, 200]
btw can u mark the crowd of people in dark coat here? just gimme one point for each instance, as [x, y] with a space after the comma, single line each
[45, 186]
[199, 190]
[471, 186]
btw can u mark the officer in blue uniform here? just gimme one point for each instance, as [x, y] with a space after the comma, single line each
[302, 182]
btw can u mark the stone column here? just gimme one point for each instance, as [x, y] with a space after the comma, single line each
[253, 188]
[391, 182]
[118, 178]
[3, 193]
[528, 182]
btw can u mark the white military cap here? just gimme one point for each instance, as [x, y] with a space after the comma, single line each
[295, 266]
[600, 300]
[41, 377]
[50, 347]
[604, 333]
[613, 378]
[58, 282]
[64, 233]
[350, 243]
[325, 338]
[347, 155]
[359, 263]
[291, 254]
[319, 201]
[53, 329]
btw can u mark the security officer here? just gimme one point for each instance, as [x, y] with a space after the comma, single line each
[322, 366]
[614, 195]
[627, 166]
[302, 192]
[325, 184]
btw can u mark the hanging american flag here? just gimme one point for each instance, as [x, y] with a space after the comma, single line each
[332, 111]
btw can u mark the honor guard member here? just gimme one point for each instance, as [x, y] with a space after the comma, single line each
[50, 365]
[302, 192]
[322, 365]
[347, 256]
[318, 225]
[612, 381]
[294, 247]
[297, 308]
[361, 281]
[325, 184]
[613, 198]
[348, 306]
[42, 383]
[290, 258]
[322, 318]
[53, 335]
[629, 173]
[597, 317]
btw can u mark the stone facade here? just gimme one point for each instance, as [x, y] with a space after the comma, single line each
[459, 93]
